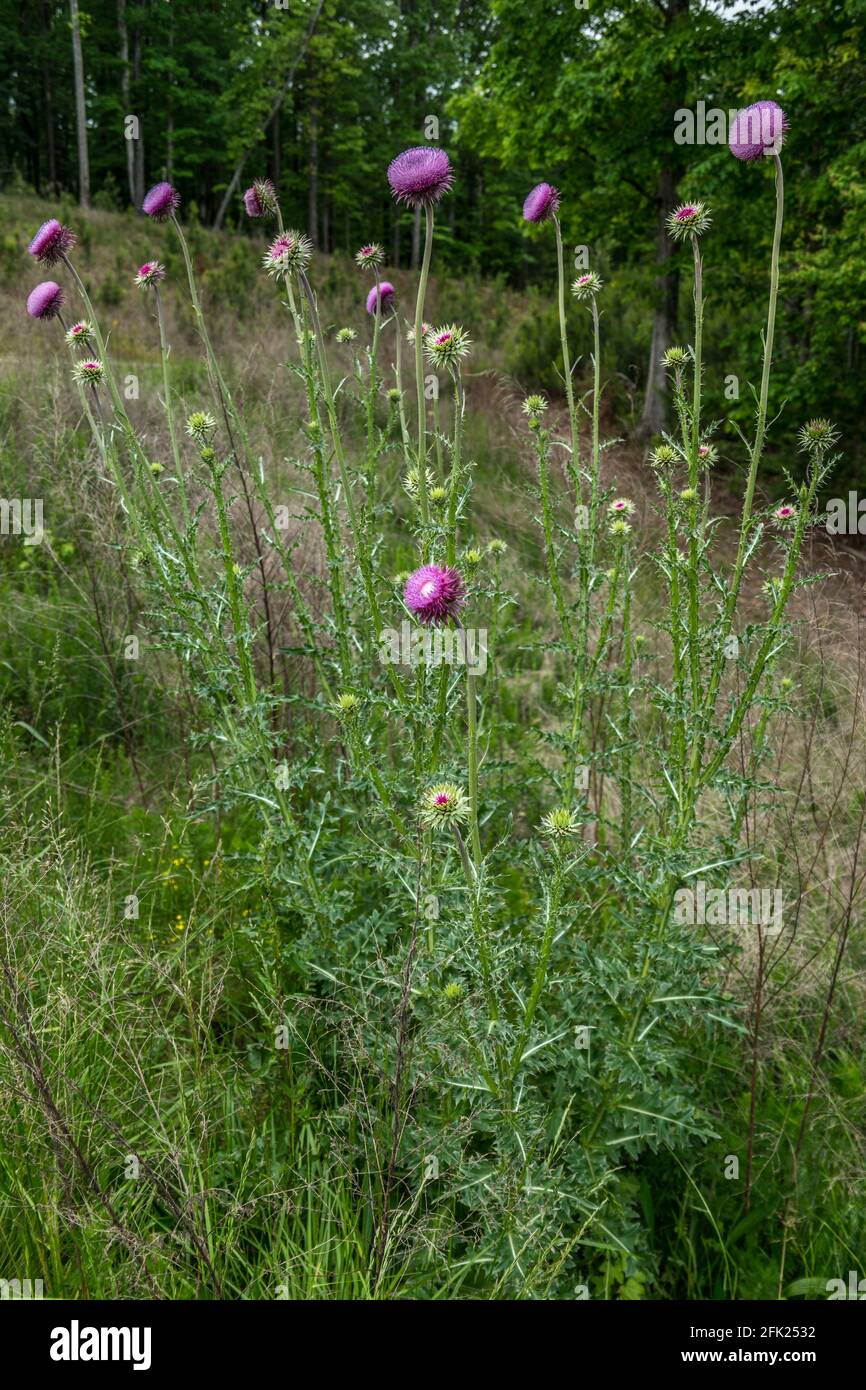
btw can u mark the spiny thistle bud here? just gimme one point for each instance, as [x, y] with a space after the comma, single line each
[496, 547]
[785, 514]
[260, 198]
[46, 301]
[436, 495]
[434, 593]
[346, 335]
[160, 202]
[393, 395]
[400, 579]
[411, 482]
[541, 203]
[80, 335]
[288, 254]
[757, 131]
[472, 558]
[149, 274]
[346, 705]
[51, 242]
[676, 357]
[587, 286]
[534, 407]
[663, 456]
[410, 331]
[560, 824]
[381, 294]
[622, 506]
[688, 494]
[156, 469]
[446, 347]
[818, 436]
[200, 426]
[420, 176]
[619, 528]
[707, 454]
[443, 804]
[689, 219]
[370, 256]
[453, 991]
[208, 455]
[89, 372]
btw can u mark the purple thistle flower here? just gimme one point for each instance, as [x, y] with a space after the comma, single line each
[434, 593]
[260, 198]
[541, 204]
[51, 242]
[383, 292]
[757, 131]
[420, 176]
[161, 201]
[46, 301]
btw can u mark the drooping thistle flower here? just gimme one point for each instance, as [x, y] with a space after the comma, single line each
[369, 257]
[541, 203]
[534, 407]
[89, 372]
[383, 294]
[410, 481]
[560, 824]
[689, 219]
[434, 593]
[587, 286]
[346, 705]
[160, 202]
[260, 199]
[447, 346]
[443, 804]
[818, 436]
[200, 426]
[80, 335]
[420, 176]
[757, 131]
[51, 242]
[622, 506]
[46, 301]
[785, 514]
[149, 274]
[288, 254]
[346, 335]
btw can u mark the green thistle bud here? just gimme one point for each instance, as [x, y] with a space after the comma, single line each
[443, 804]
[346, 705]
[560, 824]
[201, 426]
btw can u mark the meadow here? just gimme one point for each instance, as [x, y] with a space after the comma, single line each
[332, 969]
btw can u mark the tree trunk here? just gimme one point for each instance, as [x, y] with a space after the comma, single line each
[313, 188]
[138, 152]
[48, 105]
[123, 33]
[80, 109]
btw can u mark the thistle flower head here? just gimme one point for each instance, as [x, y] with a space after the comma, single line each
[707, 454]
[411, 483]
[381, 294]
[437, 495]
[149, 274]
[51, 242]
[370, 256]
[346, 335]
[688, 494]
[757, 131]
[200, 426]
[288, 254]
[560, 824]
[160, 202]
[443, 804]
[785, 514]
[472, 558]
[689, 219]
[260, 199]
[46, 301]
[410, 331]
[434, 593]
[156, 469]
[676, 357]
[346, 705]
[420, 176]
[587, 286]
[663, 456]
[89, 372]
[534, 407]
[619, 528]
[496, 547]
[541, 203]
[80, 334]
[453, 991]
[818, 436]
[447, 346]
[622, 506]
[394, 395]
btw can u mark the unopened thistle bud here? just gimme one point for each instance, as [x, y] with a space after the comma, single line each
[663, 456]
[410, 481]
[446, 347]
[587, 286]
[80, 335]
[619, 528]
[818, 436]
[443, 804]
[369, 257]
[200, 426]
[690, 219]
[472, 558]
[288, 254]
[410, 332]
[346, 705]
[560, 824]
[534, 407]
[496, 547]
[676, 357]
[89, 372]
[436, 495]
[260, 199]
[346, 335]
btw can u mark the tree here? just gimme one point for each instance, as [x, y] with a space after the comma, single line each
[80, 108]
